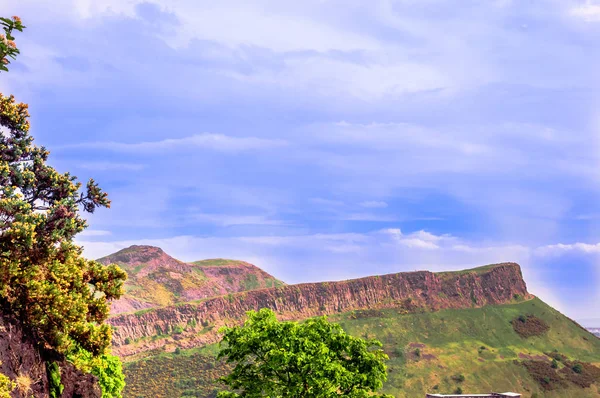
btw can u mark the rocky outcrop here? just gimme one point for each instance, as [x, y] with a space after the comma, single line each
[156, 279]
[23, 363]
[194, 324]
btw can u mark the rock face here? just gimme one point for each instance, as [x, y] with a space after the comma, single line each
[157, 279]
[25, 366]
[195, 324]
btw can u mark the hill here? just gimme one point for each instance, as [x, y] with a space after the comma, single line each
[429, 352]
[196, 323]
[478, 330]
[156, 279]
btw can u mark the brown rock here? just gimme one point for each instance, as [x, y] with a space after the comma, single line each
[412, 291]
[21, 360]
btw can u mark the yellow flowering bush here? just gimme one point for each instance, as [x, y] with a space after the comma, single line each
[61, 297]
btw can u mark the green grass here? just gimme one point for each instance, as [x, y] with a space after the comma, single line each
[215, 262]
[478, 270]
[453, 341]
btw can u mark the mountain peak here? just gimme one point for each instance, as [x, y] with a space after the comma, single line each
[143, 259]
[156, 279]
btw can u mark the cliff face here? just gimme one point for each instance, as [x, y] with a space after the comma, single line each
[157, 279]
[194, 324]
[24, 365]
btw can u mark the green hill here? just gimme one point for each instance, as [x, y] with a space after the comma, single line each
[476, 349]
[156, 279]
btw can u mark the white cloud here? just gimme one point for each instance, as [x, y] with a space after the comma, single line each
[590, 11]
[216, 142]
[561, 248]
[109, 166]
[227, 220]
[319, 257]
[374, 204]
[368, 217]
[94, 232]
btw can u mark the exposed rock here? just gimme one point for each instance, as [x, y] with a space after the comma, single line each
[22, 362]
[156, 279]
[197, 323]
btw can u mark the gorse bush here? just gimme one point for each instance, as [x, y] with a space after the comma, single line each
[61, 297]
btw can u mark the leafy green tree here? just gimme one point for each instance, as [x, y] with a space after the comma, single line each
[8, 48]
[313, 359]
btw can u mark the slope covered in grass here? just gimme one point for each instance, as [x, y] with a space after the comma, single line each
[475, 349]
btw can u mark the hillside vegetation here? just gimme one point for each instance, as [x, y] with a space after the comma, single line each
[156, 279]
[474, 349]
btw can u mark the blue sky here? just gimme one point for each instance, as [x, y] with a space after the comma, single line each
[330, 139]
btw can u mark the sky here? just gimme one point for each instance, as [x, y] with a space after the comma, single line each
[330, 139]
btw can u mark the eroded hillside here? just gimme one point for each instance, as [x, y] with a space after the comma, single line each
[156, 279]
[196, 323]
[475, 349]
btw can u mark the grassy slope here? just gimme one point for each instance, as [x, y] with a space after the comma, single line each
[215, 262]
[453, 341]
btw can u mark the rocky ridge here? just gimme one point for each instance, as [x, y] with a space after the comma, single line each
[196, 324]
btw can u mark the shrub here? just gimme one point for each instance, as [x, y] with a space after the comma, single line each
[543, 373]
[529, 326]
[60, 297]
[6, 386]
[54, 383]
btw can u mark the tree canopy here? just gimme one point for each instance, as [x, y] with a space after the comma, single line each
[312, 359]
[61, 297]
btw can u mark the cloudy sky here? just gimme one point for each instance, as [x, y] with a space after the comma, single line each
[329, 139]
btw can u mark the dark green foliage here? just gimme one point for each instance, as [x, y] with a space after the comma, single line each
[314, 359]
[459, 378]
[458, 390]
[554, 364]
[54, 383]
[577, 368]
